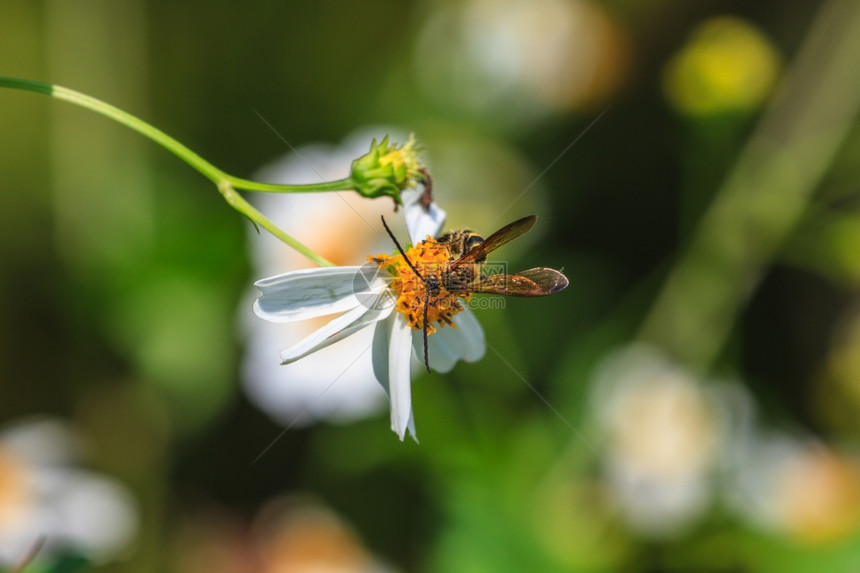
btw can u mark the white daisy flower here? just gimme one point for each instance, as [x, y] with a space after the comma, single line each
[387, 295]
[297, 394]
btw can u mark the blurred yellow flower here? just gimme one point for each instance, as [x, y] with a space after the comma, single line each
[727, 65]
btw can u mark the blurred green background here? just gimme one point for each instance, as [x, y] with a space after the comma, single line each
[689, 403]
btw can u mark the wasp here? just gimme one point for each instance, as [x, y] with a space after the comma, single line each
[462, 274]
[468, 251]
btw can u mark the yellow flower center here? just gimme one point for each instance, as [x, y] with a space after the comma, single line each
[404, 160]
[431, 260]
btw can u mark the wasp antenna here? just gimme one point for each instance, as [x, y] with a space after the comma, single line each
[399, 248]
[426, 326]
[426, 290]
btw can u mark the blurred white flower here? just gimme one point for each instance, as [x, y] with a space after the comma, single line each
[672, 447]
[44, 495]
[520, 61]
[796, 487]
[663, 434]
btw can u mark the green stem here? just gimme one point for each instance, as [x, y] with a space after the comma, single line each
[227, 184]
[345, 184]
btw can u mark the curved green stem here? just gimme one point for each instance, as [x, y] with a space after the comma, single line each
[227, 184]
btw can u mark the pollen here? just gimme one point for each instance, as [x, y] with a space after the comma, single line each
[431, 259]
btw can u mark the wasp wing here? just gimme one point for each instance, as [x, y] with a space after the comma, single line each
[504, 235]
[530, 283]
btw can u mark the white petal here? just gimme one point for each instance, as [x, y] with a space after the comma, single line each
[381, 336]
[336, 329]
[440, 354]
[399, 383]
[411, 426]
[297, 393]
[448, 345]
[381, 351]
[309, 293]
[419, 222]
[470, 335]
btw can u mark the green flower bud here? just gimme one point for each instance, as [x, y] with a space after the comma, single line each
[387, 169]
